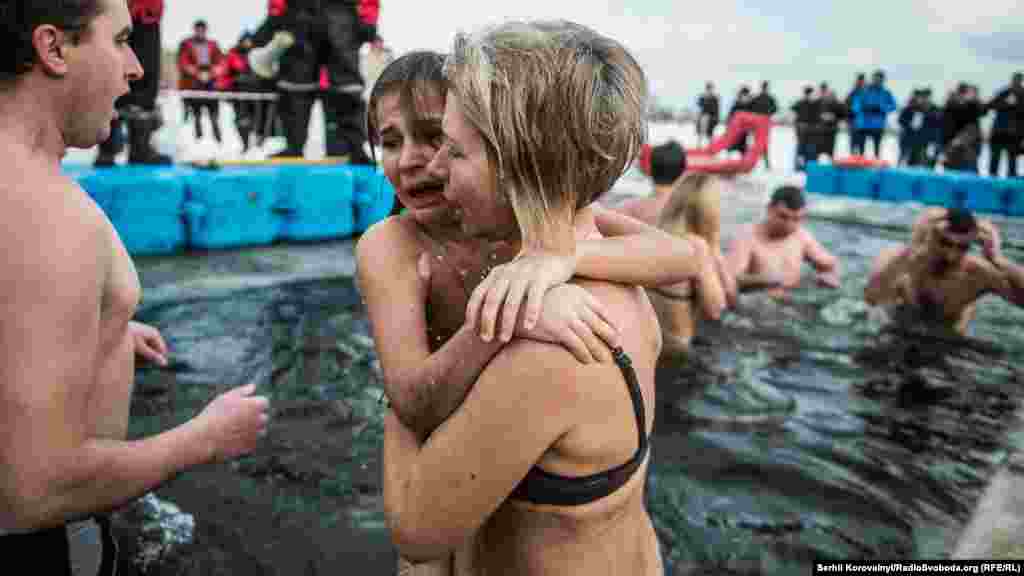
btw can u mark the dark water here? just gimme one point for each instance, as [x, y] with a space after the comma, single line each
[821, 429]
[805, 430]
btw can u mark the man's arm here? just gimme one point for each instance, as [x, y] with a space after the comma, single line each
[52, 469]
[423, 387]
[824, 262]
[439, 492]
[887, 272]
[1004, 277]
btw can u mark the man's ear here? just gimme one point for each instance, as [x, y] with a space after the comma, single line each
[50, 44]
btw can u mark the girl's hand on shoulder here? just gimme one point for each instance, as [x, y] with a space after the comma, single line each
[528, 277]
[575, 319]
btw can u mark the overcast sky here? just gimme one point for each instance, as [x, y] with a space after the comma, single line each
[683, 43]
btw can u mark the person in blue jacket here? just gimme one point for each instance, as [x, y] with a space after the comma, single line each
[871, 106]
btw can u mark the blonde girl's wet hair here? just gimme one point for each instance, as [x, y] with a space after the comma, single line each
[561, 109]
[694, 208]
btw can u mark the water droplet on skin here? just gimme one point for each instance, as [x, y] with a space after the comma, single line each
[463, 273]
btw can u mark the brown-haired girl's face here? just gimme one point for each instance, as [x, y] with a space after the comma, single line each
[407, 147]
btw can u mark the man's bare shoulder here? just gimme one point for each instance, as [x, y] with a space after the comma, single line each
[745, 235]
[47, 215]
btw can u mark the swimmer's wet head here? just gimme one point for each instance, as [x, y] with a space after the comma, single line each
[951, 237]
[668, 162]
[786, 211]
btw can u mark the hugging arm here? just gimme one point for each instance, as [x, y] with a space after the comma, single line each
[439, 492]
[423, 387]
[635, 253]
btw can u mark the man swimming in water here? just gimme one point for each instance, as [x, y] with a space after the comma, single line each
[937, 277]
[778, 245]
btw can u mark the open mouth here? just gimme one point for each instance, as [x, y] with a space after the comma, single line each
[425, 194]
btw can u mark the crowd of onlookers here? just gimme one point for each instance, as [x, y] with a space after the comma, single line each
[929, 134]
[204, 66]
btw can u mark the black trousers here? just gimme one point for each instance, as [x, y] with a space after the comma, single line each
[1004, 145]
[331, 39]
[859, 140]
[145, 41]
[48, 551]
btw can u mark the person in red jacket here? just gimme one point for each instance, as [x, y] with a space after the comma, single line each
[234, 74]
[198, 57]
[327, 33]
[138, 109]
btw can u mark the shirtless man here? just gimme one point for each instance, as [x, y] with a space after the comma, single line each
[936, 276]
[778, 245]
[668, 163]
[68, 292]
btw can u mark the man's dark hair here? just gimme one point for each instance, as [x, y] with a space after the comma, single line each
[789, 196]
[764, 86]
[20, 18]
[199, 23]
[960, 221]
[668, 162]
[412, 75]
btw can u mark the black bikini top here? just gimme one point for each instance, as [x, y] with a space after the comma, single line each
[540, 487]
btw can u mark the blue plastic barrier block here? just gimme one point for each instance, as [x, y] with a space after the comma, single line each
[374, 197]
[1014, 194]
[98, 185]
[316, 202]
[900, 184]
[980, 194]
[942, 190]
[144, 203]
[233, 207]
[821, 179]
[858, 182]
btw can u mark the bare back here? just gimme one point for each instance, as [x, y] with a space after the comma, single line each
[612, 535]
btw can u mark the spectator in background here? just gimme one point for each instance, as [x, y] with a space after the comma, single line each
[871, 108]
[934, 128]
[912, 130]
[327, 33]
[234, 74]
[807, 123]
[138, 110]
[856, 136]
[707, 120]
[742, 103]
[920, 125]
[1007, 129]
[832, 110]
[198, 56]
[962, 130]
[764, 103]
